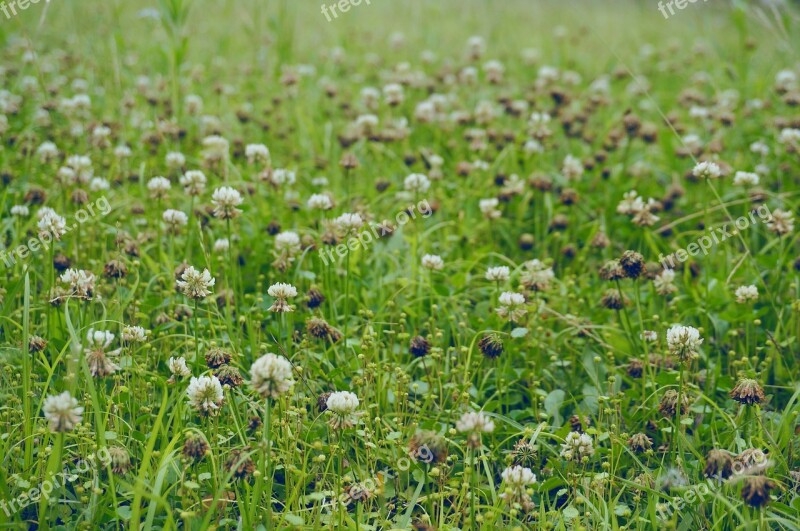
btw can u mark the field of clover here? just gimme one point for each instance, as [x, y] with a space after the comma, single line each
[419, 265]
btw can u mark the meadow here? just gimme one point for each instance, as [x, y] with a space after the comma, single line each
[399, 265]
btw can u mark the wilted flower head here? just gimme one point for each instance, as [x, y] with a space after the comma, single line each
[62, 412]
[748, 391]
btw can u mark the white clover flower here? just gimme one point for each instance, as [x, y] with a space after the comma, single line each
[577, 446]
[320, 202]
[135, 334]
[98, 338]
[205, 394]
[98, 184]
[20, 211]
[572, 167]
[349, 222]
[178, 368]
[282, 176]
[498, 274]
[745, 178]
[489, 208]
[193, 182]
[62, 412]
[649, 336]
[53, 224]
[159, 187]
[684, 341]
[271, 375]
[433, 262]
[512, 306]
[81, 283]
[122, 152]
[393, 93]
[781, 222]
[281, 292]
[707, 170]
[175, 219]
[257, 154]
[319, 182]
[196, 285]
[664, 282]
[475, 422]
[760, 147]
[745, 294]
[46, 152]
[194, 104]
[517, 479]
[630, 204]
[537, 275]
[288, 242]
[175, 160]
[342, 405]
[789, 136]
[417, 182]
[221, 245]
[225, 201]
[215, 148]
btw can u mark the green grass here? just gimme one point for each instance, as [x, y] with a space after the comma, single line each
[279, 74]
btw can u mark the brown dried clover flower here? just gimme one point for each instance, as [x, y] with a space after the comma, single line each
[632, 263]
[217, 357]
[491, 346]
[429, 447]
[748, 391]
[640, 443]
[755, 491]
[229, 375]
[239, 463]
[419, 346]
[719, 464]
[669, 404]
[195, 447]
